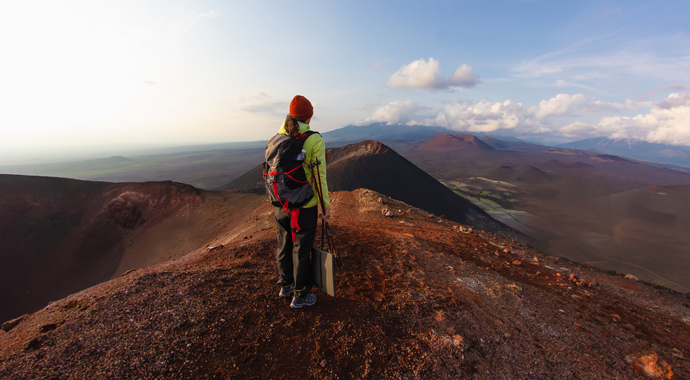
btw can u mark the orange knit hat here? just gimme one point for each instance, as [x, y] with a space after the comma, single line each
[301, 108]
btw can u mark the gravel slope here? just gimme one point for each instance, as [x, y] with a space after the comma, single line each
[418, 298]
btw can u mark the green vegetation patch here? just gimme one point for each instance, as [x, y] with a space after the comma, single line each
[488, 200]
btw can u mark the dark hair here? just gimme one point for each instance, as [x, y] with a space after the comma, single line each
[292, 127]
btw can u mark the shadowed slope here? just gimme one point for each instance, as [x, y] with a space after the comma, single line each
[58, 236]
[373, 165]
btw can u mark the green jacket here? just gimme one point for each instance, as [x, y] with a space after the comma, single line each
[316, 149]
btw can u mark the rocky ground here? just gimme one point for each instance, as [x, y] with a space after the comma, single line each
[418, 297]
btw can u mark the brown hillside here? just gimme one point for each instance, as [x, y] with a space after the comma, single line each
[560, 212]
[457, 141]
[611, 158]
[522, 173]
[566, 152]
[563, 165]
[417, 299]
[630, 225]
[59, 236]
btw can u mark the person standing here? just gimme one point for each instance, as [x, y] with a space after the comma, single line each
[294, 268]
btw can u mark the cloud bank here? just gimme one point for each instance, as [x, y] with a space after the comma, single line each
[426, 75]
[666, 121]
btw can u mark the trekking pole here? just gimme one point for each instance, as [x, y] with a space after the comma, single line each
[323, 234]
[329, 237]
[330, 243]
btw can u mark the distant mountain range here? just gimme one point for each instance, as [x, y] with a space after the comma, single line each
[397, 132]
[641, 150]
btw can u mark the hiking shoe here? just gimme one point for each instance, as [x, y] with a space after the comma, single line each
[298, 302]
[286, 291]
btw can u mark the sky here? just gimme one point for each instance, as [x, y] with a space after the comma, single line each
[106, 77]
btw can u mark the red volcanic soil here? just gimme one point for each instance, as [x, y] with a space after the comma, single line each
[59, 236]
[448, 141]
[417, 298]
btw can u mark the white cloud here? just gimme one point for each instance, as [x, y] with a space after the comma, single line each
[394, 113]
[418, 74]
[463, 77]
[426, 75]
[557, 106]
[598, 106]
[667, 122]
[482, 117]
[574, 105]
[580, 130]
[674, 100]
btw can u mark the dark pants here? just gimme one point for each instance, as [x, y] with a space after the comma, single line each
[294, 265]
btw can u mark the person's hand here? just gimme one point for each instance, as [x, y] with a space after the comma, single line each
[326, 214]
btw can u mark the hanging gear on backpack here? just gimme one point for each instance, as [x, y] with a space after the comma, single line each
[284, 175]
[326, 236]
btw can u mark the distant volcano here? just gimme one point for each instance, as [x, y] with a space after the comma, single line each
[494, 142]
[373, 165]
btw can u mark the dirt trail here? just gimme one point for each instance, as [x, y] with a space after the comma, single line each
[418, 298]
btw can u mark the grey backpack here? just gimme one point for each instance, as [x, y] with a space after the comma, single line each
[284, 176]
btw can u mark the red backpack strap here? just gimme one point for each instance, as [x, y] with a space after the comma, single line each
[307, 134]
[294, 216]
